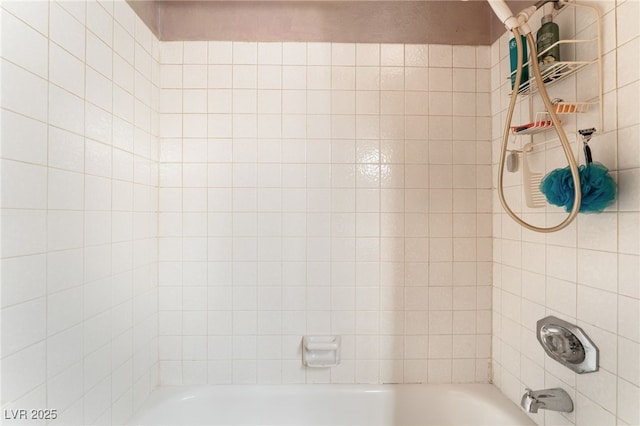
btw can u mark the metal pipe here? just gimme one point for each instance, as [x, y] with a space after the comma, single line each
[543, 2]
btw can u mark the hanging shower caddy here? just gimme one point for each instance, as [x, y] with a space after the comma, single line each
[560, 70]
[541, 121]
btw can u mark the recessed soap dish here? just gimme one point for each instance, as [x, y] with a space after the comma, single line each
[321, 351]
[567, 344]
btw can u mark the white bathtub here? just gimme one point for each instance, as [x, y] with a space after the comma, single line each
[330, 405]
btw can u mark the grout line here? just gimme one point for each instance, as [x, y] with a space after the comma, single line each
[46, 260]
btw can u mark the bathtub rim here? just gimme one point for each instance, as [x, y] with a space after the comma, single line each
[486, 393]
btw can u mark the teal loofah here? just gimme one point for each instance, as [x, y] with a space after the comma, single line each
[598, 188]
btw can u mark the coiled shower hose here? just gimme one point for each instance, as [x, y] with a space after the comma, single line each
[573, 166]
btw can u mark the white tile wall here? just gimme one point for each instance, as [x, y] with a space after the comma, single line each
[318, 188]
[588, 273]
[296, 188]
[79, 201]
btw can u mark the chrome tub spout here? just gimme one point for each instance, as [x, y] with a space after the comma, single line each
[555, 399]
